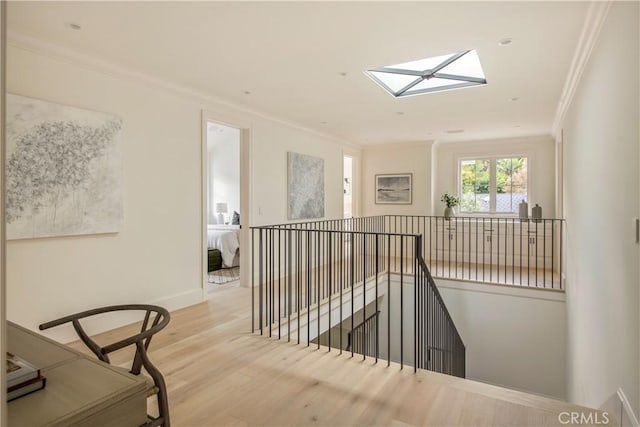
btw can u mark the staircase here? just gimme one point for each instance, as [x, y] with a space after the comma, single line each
[313, 277]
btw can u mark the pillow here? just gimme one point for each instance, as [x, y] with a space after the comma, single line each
[235, 220]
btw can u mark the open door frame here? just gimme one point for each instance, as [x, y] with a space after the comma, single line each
[245, 198]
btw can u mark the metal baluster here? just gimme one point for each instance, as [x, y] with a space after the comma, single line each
[536, 242]
[260, 277]
[415, 304]
[553, 248]
[298, 277]
[318, 284]
[364, 289]
[352, 284]
[289, 281]
[491, 250]
[279, 288]
[253, 281]
[309, 294]
[341, 250]
[389, 304]
[544, 253]
[330, 261]
[498, 252]
[506, 247]
[377, 349]
[401, 302]
[561, 239]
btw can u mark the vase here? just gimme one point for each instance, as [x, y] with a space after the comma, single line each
[449, 213]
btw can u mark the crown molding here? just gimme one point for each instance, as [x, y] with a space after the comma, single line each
[596, 15]
[34, 45]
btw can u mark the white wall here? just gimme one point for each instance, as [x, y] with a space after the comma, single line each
[412, 158]
[223, 149]
[601, 200]
[514, 337]
[540, 151]
[158, 254]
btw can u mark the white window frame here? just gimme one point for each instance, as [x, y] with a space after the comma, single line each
[493, 158]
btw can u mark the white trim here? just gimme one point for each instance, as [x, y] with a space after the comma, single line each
[596, 15]
[246, 218]
[560, 176]
[99, 324]
[497, 289]
[34, 45]
[626, 407]
[177, 301]
[204, 198]
[246, 192]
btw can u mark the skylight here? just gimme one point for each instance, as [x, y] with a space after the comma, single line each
[446, 72]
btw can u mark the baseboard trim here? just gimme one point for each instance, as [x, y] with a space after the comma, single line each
[103, 323]
[181, 300]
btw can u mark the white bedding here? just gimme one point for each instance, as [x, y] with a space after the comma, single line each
[227, 240]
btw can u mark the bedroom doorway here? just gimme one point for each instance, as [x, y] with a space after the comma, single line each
[347, 182]
[223, 201]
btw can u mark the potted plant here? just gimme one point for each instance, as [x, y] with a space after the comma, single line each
[451, 202]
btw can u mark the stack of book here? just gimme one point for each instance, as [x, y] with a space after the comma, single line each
[22, 377]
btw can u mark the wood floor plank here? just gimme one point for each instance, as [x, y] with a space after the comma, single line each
[220, 374]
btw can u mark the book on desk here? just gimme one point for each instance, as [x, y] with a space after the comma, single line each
[22, 377]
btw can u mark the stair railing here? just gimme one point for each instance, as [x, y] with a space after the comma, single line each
[311, 277]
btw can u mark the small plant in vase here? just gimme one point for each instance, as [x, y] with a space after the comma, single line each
[451, 202]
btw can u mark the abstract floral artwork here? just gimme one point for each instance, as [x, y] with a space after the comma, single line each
[305, 177]
[64, 172]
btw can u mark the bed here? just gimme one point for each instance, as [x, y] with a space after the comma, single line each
[226, 239]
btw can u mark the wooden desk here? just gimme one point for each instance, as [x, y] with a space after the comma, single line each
[79, 391]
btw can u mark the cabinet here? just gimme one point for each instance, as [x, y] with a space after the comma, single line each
[503, 244]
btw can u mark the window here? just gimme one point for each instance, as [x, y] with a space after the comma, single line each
[453, 71]
[493, 185]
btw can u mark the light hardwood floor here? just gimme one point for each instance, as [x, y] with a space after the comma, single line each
[218, 373]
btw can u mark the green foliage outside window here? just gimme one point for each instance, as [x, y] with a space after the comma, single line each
[511, 178]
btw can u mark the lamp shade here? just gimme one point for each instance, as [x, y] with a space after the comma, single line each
[222, 207]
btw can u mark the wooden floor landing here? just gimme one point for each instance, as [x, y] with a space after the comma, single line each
[219, 374]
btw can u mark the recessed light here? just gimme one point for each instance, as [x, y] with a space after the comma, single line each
[247, 92]
[74, 26]
[514, 99]
[324, 123]
[343, 73]
[505, 42]
[454, 131]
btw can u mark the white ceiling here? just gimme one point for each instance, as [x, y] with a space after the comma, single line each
[291, 57]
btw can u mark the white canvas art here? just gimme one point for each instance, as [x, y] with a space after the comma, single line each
[305, 175]
[64, 171]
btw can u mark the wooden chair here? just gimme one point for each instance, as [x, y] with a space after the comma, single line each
[141, 341]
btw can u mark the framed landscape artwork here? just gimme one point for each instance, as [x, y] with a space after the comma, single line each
[394, 189]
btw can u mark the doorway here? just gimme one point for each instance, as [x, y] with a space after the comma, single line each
[347, 182]
[223, 202]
